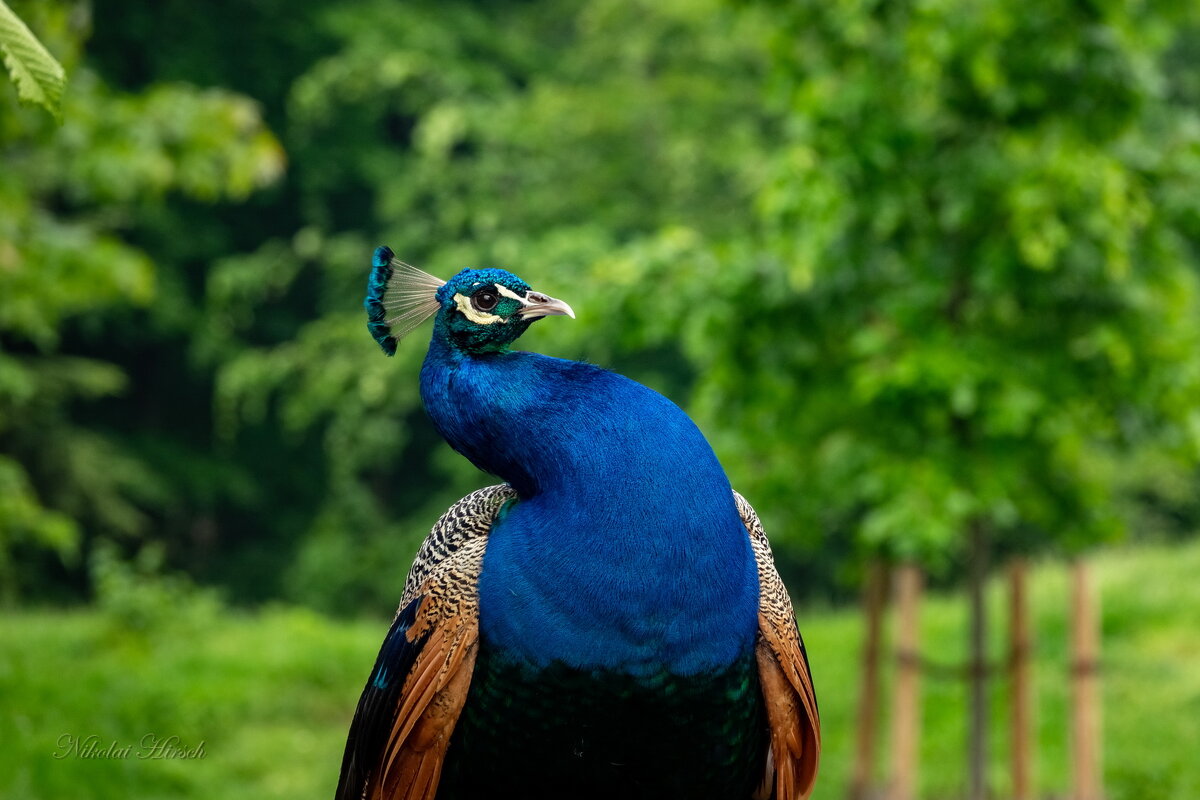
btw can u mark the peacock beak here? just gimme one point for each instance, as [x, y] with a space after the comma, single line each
[540, 305]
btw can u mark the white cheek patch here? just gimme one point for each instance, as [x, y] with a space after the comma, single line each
[478, 317]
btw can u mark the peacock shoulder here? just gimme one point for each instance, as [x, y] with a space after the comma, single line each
[785, 678]
[775, 604]
[452, 554]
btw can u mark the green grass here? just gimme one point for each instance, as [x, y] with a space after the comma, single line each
[270, 694]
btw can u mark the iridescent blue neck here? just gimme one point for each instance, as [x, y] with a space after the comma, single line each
[626, 549]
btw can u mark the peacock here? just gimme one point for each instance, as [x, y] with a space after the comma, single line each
[608, 622]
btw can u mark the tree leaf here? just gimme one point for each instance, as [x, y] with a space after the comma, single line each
[39, 78]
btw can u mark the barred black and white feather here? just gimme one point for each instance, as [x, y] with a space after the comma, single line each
[464, 527]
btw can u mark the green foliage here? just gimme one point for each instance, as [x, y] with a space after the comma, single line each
[973, 300]
[71, 200]
[139, 599]
[39, 78]
[23, 521]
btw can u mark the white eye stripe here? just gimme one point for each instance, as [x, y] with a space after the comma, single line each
[478, 317]
[506, 292]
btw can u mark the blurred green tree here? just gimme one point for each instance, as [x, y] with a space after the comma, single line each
[974, 238]
[69, 198]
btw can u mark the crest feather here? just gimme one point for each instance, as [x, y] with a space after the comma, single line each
[399, 298]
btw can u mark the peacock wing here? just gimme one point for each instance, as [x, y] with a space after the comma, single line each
[786, 681]
[415, 693]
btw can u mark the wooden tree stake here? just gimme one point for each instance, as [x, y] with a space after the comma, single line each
[906, 724]
[874, 601]
[1020, 648]
[1085, 688]
[978, 707]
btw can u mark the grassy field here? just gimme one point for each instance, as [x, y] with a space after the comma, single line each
[270, 694]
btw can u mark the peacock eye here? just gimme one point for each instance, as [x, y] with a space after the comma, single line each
[484, 300]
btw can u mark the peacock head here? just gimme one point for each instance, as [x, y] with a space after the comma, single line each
[478, 310]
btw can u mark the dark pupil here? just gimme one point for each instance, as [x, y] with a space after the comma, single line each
[484, 300]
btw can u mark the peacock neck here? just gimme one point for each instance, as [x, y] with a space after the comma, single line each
[584, 435]
[625, 548]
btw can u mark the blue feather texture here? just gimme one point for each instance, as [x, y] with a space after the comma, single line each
[625, 550]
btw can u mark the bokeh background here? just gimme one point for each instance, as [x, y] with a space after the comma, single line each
[922, 271]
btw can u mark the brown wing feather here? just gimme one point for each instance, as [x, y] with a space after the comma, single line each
[785, 678]
[431, 700]
[399, 739]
